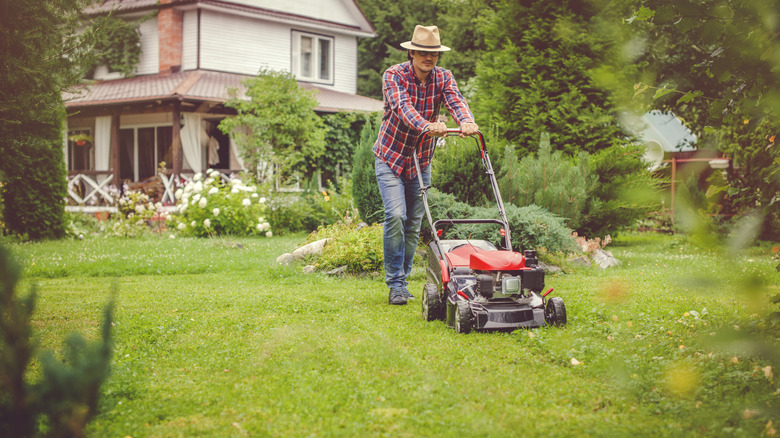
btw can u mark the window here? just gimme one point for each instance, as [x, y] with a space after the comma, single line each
[142, 149]
[312, 58]
[81, 153]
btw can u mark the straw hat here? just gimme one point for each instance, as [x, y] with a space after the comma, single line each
[425, 38]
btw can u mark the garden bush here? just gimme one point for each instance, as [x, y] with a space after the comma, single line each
[212, 206]
[34, 184]
[531, 227]
[310, 209]
[137, 214]
[626, 191]
[457, 169]
[360, 249]
[552, 180]
[365, 189]
[341, 139]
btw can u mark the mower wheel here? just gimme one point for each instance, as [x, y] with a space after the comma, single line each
[464, 320]
[431, 304]
[555, 312]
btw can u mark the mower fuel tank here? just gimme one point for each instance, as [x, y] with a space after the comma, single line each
[533, 279]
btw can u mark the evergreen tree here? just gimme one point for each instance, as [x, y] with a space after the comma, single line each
[713, 63]
[37, 61]
[65, 397]
[365, 189]
[534, 77]
[550, 180]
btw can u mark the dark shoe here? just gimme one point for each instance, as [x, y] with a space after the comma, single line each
[396, 297]
[408, 295]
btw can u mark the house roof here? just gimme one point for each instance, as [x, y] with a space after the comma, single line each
[196, 85]
[668, 130]
[362, 28]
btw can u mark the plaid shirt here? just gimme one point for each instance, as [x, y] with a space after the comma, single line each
[409, 106]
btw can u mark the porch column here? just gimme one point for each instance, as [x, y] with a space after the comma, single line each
[115, 150]
[176, 145]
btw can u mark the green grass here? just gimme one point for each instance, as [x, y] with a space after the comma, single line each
[216, 340]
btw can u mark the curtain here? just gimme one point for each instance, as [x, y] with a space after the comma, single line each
[103, 148]
[65, 145]
[102, 142]
[190, 141]
[235, 155]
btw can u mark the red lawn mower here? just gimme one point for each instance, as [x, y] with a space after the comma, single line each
[472, 284]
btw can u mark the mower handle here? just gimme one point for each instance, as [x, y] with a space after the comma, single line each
[451, 131]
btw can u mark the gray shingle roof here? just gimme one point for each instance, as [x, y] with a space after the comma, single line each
[196, 85]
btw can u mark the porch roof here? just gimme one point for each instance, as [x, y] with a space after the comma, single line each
[196, 85]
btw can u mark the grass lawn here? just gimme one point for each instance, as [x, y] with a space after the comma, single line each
[213, 338]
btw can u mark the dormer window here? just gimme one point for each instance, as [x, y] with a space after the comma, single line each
[312, 57]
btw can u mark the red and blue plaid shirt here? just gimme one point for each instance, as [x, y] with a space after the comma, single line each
[409, 106]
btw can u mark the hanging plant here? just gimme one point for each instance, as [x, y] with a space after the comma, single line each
[118, 45]
[81, 139]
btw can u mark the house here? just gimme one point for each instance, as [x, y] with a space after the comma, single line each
[192, 52]
[665, 135]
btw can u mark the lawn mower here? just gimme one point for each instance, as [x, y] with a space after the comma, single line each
[472, 284]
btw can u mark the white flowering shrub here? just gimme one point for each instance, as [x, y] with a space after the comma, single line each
[209, 206]
[136, 214]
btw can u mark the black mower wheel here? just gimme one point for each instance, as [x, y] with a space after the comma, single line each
[555, 312]
[464, 320]
[431, 304]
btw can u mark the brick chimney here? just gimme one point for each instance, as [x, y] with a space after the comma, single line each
[169, 24]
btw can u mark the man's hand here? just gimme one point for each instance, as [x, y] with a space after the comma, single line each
[468, 129]
[437, 129]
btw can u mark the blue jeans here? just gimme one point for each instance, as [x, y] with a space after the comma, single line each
[404, 211]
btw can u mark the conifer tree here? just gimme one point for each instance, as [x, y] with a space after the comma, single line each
[41, 54]
[551, 180]
[65, 397]
[365, 189]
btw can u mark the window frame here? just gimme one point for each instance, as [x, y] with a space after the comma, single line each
[296, 64]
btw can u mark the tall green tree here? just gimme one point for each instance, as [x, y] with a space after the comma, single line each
[64, 395]
[276, 125]
[459, 23]
[716, 63]
[534, 77]
[40, 55]
[394, 23]
[365, 189]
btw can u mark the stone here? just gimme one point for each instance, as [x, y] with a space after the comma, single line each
[285, 259]
[309, 269]
[314, 248]
[338, 272]
[580, 261]
[604, 259]
[550, 269]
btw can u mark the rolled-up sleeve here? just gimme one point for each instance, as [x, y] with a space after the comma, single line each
[455, 101]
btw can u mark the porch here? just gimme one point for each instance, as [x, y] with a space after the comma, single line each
[155, 132]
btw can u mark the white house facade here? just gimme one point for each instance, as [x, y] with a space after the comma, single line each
[192, 51]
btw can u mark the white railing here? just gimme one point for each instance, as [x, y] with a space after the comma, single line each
[93, 191]
[92, 188]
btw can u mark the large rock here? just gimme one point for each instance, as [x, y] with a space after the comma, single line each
[550, 269]
[604, 259]
[580, 261]
[314, 249]
[285, 259]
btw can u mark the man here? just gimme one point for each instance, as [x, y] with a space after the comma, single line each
[413, 93]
